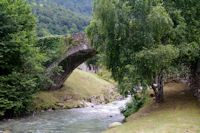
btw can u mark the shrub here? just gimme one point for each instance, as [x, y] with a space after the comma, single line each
[133, 106]
[21, 63]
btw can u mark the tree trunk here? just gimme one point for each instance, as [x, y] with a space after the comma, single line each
[159, 95]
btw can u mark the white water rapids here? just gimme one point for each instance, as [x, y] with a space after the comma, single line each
[79, 120]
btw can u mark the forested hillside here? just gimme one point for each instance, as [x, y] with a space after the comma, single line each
[83, 7]
[56, 19]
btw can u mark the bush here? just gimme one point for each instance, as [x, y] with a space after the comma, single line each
[133, 106]
[21, 63]
[16, 93]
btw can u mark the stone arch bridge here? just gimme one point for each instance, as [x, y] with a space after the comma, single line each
[74, 56]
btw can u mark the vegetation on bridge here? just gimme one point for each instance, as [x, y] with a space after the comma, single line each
[53, 47]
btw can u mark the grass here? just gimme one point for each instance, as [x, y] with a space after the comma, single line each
[180, 113]
[80, 85]
[83, 84]
[106, 75]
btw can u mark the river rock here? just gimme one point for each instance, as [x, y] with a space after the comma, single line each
[68, 97]
[82, 103]
[112, 91]
[102, 98]
[93, 100]
[50, 110]
[61, 104]
[114, 124]
[88, 104]
[6, 131]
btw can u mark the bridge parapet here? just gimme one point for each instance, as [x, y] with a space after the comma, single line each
[81, 43]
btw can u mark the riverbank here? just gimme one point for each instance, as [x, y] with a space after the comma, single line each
[179, 113]
[80, 89]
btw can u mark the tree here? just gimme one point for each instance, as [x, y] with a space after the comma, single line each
[142, 42]
[21, 63]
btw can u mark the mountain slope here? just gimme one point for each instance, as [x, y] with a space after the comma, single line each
[56, 19]
[83, 7]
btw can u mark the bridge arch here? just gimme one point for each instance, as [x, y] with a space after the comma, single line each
[73, 57]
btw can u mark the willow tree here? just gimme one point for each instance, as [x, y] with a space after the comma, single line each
[137, 39]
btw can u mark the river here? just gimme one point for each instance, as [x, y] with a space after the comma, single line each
[78, 120]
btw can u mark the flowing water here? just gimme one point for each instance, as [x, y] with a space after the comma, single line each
[79, 120]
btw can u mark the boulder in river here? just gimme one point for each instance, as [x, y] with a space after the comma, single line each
[114, 124]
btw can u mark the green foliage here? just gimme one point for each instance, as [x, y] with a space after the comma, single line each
[189, 10]
[21, 63]
[134, 106]
[159, 23]
[92, 61]
[56, 19]
[17, 91]
[53, 46]
[143, 41]
[16, 26]
[83, 7]
[151, 62]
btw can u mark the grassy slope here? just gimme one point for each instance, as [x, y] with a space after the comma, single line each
[83, 84]
[180, 113]
[80, 85]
